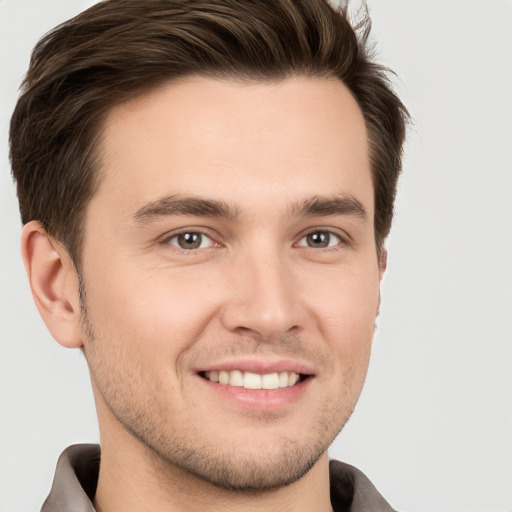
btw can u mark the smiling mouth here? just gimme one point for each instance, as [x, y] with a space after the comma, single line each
[250, 380]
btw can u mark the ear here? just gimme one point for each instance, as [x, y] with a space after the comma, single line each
[54, 284]
[383, 264]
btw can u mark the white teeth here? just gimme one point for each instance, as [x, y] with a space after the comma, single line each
[224, 378]
[270, 381]
[250, 380]
[292, 379]
[236, 378]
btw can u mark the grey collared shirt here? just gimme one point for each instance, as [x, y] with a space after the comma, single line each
[76, 478]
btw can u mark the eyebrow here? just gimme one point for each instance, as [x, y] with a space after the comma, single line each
[323, 206]
[176, 205]
[185, 205]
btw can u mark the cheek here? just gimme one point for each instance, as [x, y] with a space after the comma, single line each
[350, 296]
[146, 307]
[345, 310]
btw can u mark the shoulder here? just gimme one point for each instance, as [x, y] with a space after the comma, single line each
[352, 491]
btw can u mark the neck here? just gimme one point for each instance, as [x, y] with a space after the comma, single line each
[134, 479]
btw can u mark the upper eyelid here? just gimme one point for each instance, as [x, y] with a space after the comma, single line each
[179, 231]
[336, 247]
[165, 241]
[341, 233]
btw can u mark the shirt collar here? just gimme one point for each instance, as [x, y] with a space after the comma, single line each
[76, 478]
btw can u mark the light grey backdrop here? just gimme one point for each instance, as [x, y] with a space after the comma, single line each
[433, 428]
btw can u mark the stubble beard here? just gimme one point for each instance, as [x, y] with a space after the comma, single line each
[234, 469]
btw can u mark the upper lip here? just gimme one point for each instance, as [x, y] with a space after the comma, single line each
[260, 366]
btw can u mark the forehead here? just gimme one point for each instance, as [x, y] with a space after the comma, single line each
[248, 141]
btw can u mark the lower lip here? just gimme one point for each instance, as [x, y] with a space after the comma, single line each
[263, 399]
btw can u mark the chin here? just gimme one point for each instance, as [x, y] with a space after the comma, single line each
[246, 472]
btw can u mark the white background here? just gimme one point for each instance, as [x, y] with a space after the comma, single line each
[433, 429]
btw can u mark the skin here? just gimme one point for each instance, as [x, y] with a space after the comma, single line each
[258, 291]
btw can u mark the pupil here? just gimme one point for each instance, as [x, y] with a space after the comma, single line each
[318, 239]
[189, 240]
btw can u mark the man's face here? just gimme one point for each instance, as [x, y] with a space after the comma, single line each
[232, 238]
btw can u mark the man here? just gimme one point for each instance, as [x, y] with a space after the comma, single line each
[206, 189]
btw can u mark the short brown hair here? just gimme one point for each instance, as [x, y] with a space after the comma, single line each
[119, 49]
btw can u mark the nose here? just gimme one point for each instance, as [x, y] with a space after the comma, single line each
[264, 298]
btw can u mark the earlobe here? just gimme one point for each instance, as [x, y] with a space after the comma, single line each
[54, 284]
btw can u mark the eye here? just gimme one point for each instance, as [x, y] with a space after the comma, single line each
[190, 240]
[319, 240]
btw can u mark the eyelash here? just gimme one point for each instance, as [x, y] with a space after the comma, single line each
[343, 239]
[198, 231]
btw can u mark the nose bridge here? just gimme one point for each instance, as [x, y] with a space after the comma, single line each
[265, 299]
